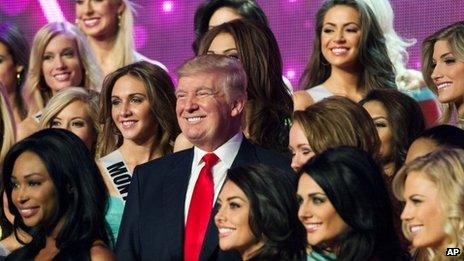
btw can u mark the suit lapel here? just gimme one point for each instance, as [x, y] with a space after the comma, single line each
[174, 190]
[246, 154]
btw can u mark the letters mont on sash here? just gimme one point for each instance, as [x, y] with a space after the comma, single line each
[121, 177]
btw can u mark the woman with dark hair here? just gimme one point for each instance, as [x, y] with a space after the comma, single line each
[399, 120]
[333, 122]
[269, 104]
[435, 138]
[345, 208]
[257, 214]
[216, 12]
[56, 194]
[14, 65]
[137, 112]
[349, 55]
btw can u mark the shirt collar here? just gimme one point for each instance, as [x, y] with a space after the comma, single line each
[224, 152]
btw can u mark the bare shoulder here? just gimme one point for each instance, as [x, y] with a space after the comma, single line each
[27, 127]
[182, 143]
[100, 252]
[301, 100]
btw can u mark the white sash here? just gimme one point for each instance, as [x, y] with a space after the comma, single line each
[118, 172]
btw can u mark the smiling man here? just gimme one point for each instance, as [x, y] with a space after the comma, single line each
[171, 202]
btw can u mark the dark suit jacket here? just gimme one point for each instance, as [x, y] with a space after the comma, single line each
[153, 221]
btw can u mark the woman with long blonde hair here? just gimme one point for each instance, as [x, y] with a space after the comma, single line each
[433, 217]
[7, 126]
[60, 58]
[109, 26]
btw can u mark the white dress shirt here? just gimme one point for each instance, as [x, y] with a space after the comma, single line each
[226, 154]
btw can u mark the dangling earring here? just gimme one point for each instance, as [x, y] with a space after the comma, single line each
[18, 79]
[119, 20]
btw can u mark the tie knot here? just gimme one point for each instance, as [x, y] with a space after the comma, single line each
[210, 159]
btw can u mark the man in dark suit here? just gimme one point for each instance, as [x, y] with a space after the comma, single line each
[169, 213]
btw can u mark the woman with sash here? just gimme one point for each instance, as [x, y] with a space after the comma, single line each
[137, 110]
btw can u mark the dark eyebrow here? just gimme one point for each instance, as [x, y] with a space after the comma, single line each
[311, 195]
[27, 176]
[236, 197]
[344, 25]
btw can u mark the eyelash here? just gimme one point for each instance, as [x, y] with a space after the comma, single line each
[318, 201]
[233, 205]
[380, 124]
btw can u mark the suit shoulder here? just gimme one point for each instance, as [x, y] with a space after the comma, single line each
[271, 157]
[166, 160]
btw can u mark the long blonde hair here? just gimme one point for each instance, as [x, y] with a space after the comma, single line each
[454, 35]
[445, 168]
[122, 53]
[7, 125]
[65, 97]
[37, 93]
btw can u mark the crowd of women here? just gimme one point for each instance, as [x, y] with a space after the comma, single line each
[380, 177]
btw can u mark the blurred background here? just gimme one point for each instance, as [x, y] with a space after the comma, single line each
[164, 28]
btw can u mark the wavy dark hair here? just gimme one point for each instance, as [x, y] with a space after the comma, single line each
[377, 69]
[273, 211]
[270, 105]
[356, 188]
[160, 95]
[248, 9]
[406, 119]
[18, 47]
[80, 191]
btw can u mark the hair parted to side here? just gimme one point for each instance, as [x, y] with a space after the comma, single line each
[454, 36]
[269, 102]
[338, 121]
[160, 95]
[18, 47]
[405, 117]
[273, 215]
[7, 125]
[377, 70]
[445, 168]
[67, 96]
[248, 9]
[231, 75]
[81, 195]
[37, 93]
[355, 186]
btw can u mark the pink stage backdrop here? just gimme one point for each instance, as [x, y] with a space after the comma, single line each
[164, 28]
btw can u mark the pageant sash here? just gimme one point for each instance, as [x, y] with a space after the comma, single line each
[118, 172]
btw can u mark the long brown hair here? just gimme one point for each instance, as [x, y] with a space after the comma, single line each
[270, 105]
[377, 69]
[160, 94]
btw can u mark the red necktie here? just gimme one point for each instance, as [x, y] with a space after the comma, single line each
[200, 210]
